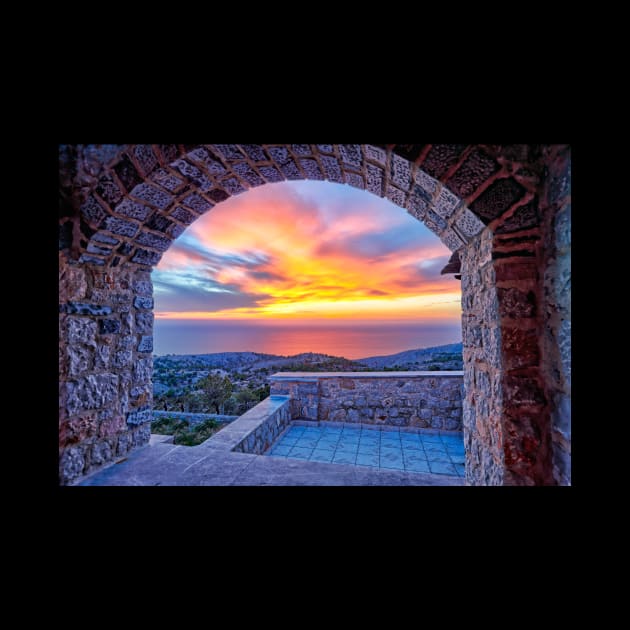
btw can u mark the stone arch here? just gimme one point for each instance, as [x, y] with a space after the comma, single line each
[121, 206]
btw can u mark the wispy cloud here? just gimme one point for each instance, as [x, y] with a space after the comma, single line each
[290, 249]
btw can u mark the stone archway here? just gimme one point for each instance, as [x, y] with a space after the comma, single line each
[495, 206]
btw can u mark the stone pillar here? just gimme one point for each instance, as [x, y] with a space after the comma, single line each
[105, 364]
[483, 400]
[506, 415]
[557, 308]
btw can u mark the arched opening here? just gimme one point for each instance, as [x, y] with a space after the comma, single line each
[313, 276]
[495, 206]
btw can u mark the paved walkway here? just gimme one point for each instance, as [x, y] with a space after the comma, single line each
[383, 448]
[163, 464]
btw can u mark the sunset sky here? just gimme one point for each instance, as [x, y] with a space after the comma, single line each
[306, 251]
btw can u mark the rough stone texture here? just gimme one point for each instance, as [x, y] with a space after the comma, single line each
[499, 197]
[417, 399]
[516, 307]
[212, 173]
[262, 425]
[476, 169]
[99, 366]
[556, 310]
[483, 398]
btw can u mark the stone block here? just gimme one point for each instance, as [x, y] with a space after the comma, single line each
[146, 344]
[195, 202]
[120, 226]
[217, 195]
[248, 174]
[254, 152]
[144, 323]
[127, 173]
[332, 169]
[450, 238]
[100, 453]
[109, 326]
[396, 196]
[92, 211]
[519, 347]
[474, 171]
[375, 176]
[92, 260]
[124, 444]
[166, 179]
[434, 222]
[445, 203]
[72, 283]
[144, 257]
[95, 249]
[355, 180]
[326, 148]
[79, 359]
[441, 157]
[400, 172]
[139, 416]
[71, 463]
[425, 185]
[375, 154]
[522, 390]
[271, 174]
[210, 161]
[311, 169]
[142, 302]
[516, 303]
[290, 170]
[142, 370]
[233, 186]
[469, 225]
[81, 331]
[501, 195]
[108, 190]
[185, 216]
[351, 155]
[155, 197]
[524, 217]
[122, 359]
[101, 357]
[229, 151]
[91, 392]
[417, 206]
[149, 239]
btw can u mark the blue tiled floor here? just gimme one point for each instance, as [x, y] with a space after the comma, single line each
[388, 449]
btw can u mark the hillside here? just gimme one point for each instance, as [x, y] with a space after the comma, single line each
[447, 357]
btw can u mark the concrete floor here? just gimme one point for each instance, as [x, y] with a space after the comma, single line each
[163, 464]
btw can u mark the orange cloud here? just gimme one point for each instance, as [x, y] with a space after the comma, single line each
[307, 250]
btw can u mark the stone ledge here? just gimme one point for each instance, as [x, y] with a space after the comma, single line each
[256, 429]
[305, 377]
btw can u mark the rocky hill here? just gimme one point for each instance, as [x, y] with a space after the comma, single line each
[447, 357]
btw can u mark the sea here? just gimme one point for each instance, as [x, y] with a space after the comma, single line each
[351, 340]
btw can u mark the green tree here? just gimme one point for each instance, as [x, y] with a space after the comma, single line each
[216, 389]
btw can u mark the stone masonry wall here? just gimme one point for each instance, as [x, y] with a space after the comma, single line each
[557, 310]
[270, 418]
[482, 365]
[516, 336]
[105, 364]
[417, 399]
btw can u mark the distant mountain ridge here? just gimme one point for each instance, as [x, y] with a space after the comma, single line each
[449, 353]
[408, 359]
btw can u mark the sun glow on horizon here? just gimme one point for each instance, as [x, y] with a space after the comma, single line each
[300, 250]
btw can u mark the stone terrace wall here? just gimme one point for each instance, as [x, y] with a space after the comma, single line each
[417, 399]
[105, 364]
[557, 311]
